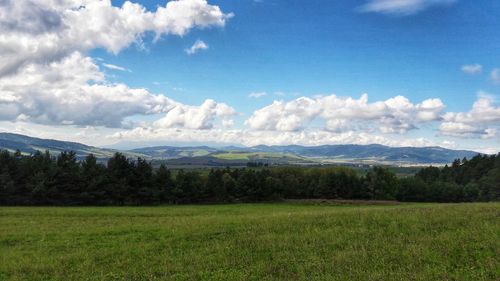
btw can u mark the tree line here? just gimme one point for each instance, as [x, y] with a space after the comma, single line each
[41, 179]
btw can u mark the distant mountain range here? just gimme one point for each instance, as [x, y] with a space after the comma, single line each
[432, 154]
[27, 145]
[286, 154]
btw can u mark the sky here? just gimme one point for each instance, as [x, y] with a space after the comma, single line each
[138, 73]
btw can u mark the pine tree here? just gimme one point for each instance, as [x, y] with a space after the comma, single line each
[164, 184]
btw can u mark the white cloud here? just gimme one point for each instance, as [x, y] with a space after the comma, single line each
[195, 117]
[252, 138]
[458, 129]
[429, 110]
[257, 95]
[115, 67]
[46, 77]
[197, 46]
[472, 68]
[74, 92]
[395, 115]
[482, 120]
[495, 75]
[47, 30]
[50, 87]
[227, 123]
[483, 110]
[150, 135]
[490, 133]
[284, 116]
[401, 7]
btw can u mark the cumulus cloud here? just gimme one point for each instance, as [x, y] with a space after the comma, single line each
[495, 75]
[458, 129]
[257, 95]
[150, 135]
[401, 7]
[115, 67]
[472, 68]
[47, 78]
[197, 46]
[227, 123]
[252, 138]
[196, 117]
[284, 116]
[46, 30]
[395, 115]
[482, 120]
[48, 81]
[74, 92]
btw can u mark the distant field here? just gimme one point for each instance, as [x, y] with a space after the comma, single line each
[296, 241]
[257, 156]
[233, 156]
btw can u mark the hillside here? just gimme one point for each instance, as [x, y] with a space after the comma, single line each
[172, 152]
[28, 145]
[375, 152]
[287, 154]
[295, 154]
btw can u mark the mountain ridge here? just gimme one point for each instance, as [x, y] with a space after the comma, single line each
[329, 153]
[28, 145]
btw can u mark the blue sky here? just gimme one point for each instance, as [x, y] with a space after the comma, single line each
[422, 50]
[323, 47]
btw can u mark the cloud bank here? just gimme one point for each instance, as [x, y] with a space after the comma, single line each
[483, 120]
[395, 115]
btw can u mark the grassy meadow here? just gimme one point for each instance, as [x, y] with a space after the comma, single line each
[286, 241]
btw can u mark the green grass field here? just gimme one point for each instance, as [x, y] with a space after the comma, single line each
[234, 155]
[252, 242]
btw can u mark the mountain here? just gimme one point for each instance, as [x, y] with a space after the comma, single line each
[172, 152]
[233, 155]
[27, 145]
[372, 152]
[296, 154]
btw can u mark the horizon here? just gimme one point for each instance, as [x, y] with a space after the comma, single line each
[255, 72]
[129, 146]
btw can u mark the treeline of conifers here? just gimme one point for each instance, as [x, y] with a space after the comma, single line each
[41, 179]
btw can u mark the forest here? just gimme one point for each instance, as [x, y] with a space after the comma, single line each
[43, 179]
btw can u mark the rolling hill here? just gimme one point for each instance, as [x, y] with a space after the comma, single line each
[173, 152]
[27, 145]
[296, 154]
[286, 154]
[375, 152]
